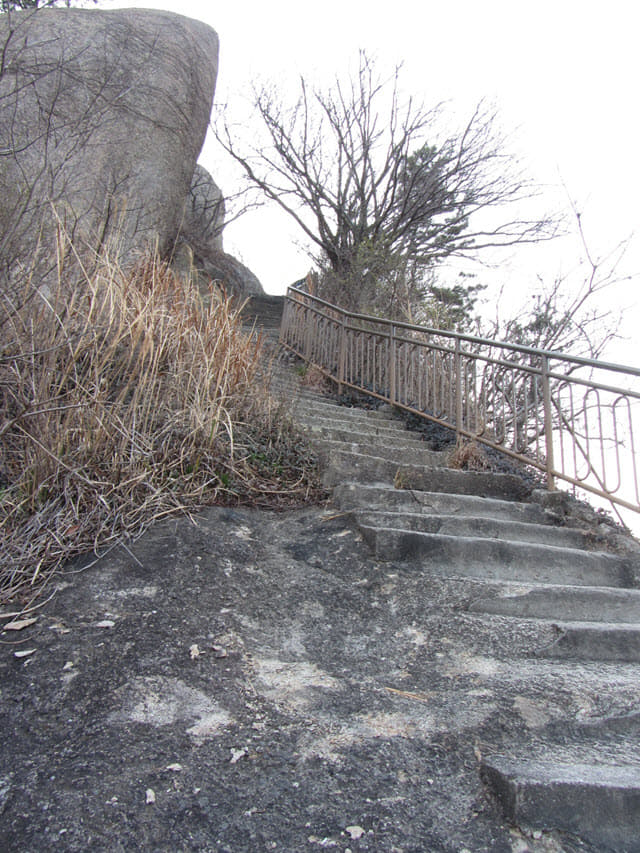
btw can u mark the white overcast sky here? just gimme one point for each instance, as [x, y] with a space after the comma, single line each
[564, 75]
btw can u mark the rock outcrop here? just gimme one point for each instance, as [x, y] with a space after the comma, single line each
[201, 236]
[102, 118]
[228, 272]
[203, 214]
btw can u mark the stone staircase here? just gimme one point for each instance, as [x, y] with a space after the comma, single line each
[535, 565]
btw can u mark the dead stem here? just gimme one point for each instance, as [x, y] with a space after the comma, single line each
[126, 398]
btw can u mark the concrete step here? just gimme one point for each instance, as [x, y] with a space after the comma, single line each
[342, 465]
[284, 376]
[355, 495]
[327, 407]
[595, 642]
[365, 427]
[294, 394]
[369, 434]
[483, 484]
[486, 528]
[494, 559]
[600, 803]
[378, 447]
[576, 604]
[263, 310]
[294, 383]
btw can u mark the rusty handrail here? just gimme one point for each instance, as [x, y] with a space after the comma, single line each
[565, 415]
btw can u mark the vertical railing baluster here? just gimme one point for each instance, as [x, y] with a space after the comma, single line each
[458, 374]
[548, 422]
[341, 353]
[392, 364]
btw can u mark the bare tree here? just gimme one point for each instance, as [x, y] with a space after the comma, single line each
[571, 315]
[374, 186]
[23, 5]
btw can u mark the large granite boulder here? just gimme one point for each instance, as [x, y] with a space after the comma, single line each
[203, 213]
[236, 278]
[102, 118]
[201, 237]
[199, 246]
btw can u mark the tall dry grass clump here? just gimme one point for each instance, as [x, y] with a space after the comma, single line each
[121, 401]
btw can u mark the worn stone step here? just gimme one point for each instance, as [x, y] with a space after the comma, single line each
[486, 528]
[284, 378]
[263, 310]
[576, 604]
[600, 803]
[341, 465]
[344, 466]
[596, 642]
[618, 733]
[494, 559]
[306, 400]
[293, 382]
[354, 495]
[378, 447]
[365, 427]
[331, 408]
[372, 434]
[298, 397]
[480, 483]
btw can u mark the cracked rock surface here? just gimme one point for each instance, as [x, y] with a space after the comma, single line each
[258, 681]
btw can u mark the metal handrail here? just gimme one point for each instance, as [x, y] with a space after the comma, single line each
[565, 415]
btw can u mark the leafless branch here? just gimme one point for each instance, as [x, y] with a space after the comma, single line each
[361, 167]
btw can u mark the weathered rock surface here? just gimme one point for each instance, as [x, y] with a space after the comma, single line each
[229, 272]
[204, 210]
[200, 239]
[102, 116]
[273, 685]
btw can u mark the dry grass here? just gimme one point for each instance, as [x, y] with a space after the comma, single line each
[469, 456]
[122, 401]
[314, 379]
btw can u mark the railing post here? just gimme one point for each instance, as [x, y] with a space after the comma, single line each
[548, 422]
[458, 372]
[282, 332]
[308, 334]
[342, 353]
[392, 365]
